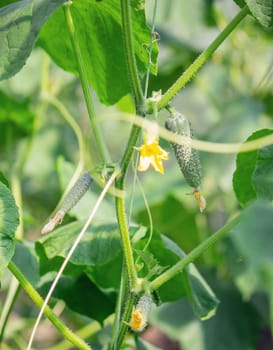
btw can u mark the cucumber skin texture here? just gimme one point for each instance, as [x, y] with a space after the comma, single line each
[76, 192]
[186, 156]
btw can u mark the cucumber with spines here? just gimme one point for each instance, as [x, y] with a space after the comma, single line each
[187, 157]
[76, 192]
[70, 200]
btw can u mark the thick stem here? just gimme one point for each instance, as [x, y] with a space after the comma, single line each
[201, 59]
[35, 296]
[193, 255]
[126, 243]
[126, 318]
[85, 86]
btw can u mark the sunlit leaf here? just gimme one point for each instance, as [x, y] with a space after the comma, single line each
[98, 29]
[20, 24]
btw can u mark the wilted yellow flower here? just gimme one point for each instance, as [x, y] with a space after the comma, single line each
[151, 154]
[200, 199]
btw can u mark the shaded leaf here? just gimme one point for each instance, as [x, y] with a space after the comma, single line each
[16, 120]
[175, 220]
[99, 255]
[236, 324]
[9, 220]
[202, 298]
[20, 24]
[94, 304]
[4, 180]
[253, 177]
[252, 238]
[98, 30]
[25, 259]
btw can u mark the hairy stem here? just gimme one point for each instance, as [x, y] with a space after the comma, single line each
[193, 255]
[126, 244]
[85, 86]
[35, 296]
[201, 59]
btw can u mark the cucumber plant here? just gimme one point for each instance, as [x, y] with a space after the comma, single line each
[113, 266]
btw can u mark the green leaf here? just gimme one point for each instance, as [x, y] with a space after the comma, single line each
[16, 120]
[262, 10]
[25, 259]
[4, 180]
[253, 242]
[99, 256]
[9, 220]
[189, 282]
[236, 325]
[98, 29]
[253, 177]
[170, 216]
[95, 304]
[20, 24]
[203, 300]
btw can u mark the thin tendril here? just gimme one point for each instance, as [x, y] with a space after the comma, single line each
[70, 253]
[205, 146]
[150, 51]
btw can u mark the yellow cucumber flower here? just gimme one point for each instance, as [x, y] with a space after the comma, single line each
[151, 154]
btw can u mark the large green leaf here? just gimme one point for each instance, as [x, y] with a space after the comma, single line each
[95, 303]
[99, 255]
[20, 24]
[188, 283]
[26, 260]
[253, 265]
[98, 29]
[253, 177]
[262, 10]
[173, 218]
[9, 220]
[236, 324]
[16, 120]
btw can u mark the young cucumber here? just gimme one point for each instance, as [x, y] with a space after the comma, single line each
[70, 200]
[187, 157]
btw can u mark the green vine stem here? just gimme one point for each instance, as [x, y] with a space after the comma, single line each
[201, 59]
[119, 307]
[193, 255]
[139, 101]
[85, 86]
[126, 318]
[126, 244]
[35, 296]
